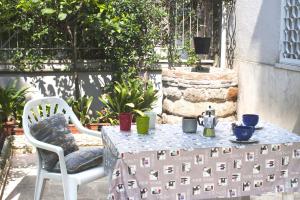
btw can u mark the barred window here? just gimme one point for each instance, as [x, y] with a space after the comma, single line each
[290, 32]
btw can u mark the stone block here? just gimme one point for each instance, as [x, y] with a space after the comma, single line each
[168, 106]
[195, 95]
[171, 119]
[225, 109]
[232, 94]
[172, 93]
[185, 108]
[216, 94]
[205, 94]
[190, 93]
[229, 75]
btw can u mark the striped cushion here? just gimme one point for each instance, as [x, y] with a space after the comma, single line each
[81, 160]
[53, 130]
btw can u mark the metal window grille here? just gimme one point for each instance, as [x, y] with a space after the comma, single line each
[194, 18]
[290, 32]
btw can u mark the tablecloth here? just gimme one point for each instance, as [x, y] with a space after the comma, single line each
[170, 164]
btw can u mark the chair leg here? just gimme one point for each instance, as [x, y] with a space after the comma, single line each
[39, 185]
[70, 191]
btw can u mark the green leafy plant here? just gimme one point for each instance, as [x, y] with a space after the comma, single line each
[148, 96]
[105, 115]
[124, 32]
[12, 101]
[120, 99]
[192, 56]
[81, 108]
[133, 95]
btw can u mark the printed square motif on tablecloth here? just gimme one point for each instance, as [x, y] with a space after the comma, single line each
[171, 185]
[197, 190]
[209, 187]
[222, 181]
[168, 169]
[199, 159]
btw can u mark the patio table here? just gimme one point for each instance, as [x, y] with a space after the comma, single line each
[170, 164]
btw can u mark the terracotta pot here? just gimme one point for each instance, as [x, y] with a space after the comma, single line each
[103, 124]
[73, 129]
[6, 130]
[18, 131]
[96, 126]
[93, 126]
[8, 127]
[125, 121]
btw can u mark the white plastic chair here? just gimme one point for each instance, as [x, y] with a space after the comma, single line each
[70, 182]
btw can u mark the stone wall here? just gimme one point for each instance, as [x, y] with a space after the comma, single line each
[190, 94]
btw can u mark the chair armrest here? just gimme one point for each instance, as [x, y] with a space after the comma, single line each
[82, 129]
[45, 146]
[50, 147]
[90, 132]
[62, 164]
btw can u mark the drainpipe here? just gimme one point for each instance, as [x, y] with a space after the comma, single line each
[75, 66]
[223, 36]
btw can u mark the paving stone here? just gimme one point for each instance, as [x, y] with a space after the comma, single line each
[21, 183]
[20, 144]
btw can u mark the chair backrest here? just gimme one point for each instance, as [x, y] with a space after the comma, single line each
[38, 109]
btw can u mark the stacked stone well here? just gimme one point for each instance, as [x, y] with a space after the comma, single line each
[190, 94]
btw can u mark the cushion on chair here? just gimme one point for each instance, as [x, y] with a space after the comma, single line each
[53, 130]
[81, 160]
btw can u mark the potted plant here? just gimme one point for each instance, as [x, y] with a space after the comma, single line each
[12, 101]
[106, 117]
[18, 130]
[120, 101]
[202, 45]
[93, 124]
[81, 108]
[133, 96]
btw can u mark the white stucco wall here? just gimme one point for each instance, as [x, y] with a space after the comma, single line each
[62, 85]
[271, 92]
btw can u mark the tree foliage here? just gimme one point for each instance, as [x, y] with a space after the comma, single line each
[124, 32]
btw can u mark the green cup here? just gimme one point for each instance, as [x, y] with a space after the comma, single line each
[142, 124]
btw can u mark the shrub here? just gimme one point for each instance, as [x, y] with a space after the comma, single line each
[132, 95]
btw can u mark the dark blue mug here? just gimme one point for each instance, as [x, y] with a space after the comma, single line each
[243, 133]
[250, 119]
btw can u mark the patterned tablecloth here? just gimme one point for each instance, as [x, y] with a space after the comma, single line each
[169, 164]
